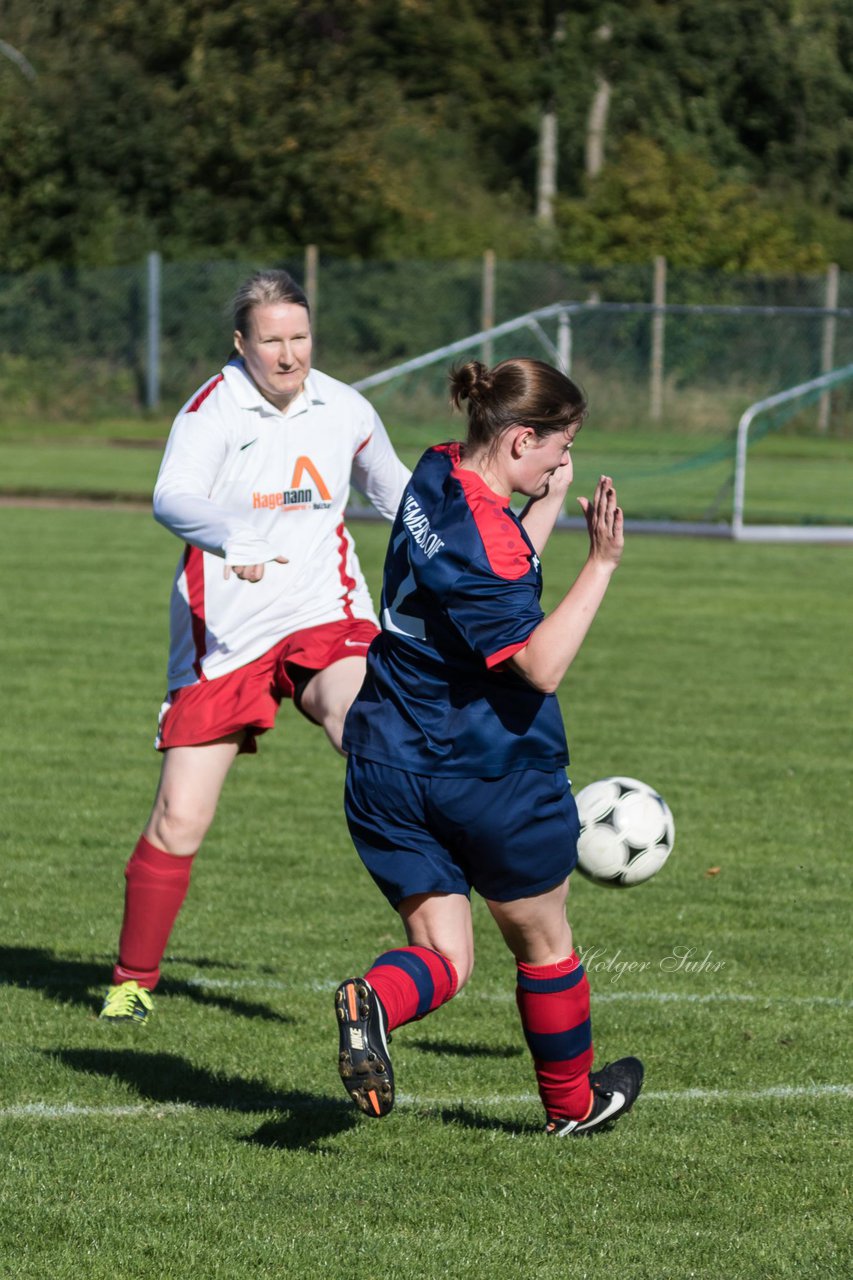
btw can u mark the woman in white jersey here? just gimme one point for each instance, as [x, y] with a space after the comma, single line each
[268, 600]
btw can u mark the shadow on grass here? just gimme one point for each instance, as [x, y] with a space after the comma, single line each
[205, 962]
[70, 981]
[473, 1120]
[467, 1049]
[306, 1126]
[166, 1078]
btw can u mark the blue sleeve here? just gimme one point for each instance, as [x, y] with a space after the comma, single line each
[494, 614]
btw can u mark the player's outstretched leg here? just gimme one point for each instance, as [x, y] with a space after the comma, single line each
[156, 886]
[614, 1091]
[363, 1061]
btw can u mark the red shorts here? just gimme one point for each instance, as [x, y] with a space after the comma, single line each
[248, 699]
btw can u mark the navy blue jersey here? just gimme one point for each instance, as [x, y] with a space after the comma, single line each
[461, 595]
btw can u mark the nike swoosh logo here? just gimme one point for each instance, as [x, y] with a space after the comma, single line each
[361, 644]
[617, 1100]
[246, 445]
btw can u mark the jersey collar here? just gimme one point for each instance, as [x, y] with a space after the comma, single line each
[470, 481]
[248, 396]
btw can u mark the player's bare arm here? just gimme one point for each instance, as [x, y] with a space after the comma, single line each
[555, 643]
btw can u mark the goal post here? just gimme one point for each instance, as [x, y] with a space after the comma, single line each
[529, 323]
[684, 472]
[783, 405]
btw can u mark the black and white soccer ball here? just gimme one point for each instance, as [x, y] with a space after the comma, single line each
[627, 832]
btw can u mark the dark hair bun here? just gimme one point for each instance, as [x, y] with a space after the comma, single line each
[470, 381]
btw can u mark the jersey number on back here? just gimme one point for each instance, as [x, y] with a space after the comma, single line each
[394, 616]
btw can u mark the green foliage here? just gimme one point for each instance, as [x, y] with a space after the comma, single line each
[760, 86]
[409, 128]
[649, 202]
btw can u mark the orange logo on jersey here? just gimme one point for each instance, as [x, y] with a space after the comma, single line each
[305, 464]
[296, 498]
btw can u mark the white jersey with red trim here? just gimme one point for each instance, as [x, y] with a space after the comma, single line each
[241, 483]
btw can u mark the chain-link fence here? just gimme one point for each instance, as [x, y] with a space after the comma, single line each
[84, 344]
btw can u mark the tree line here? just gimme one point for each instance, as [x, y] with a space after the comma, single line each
[717, 135]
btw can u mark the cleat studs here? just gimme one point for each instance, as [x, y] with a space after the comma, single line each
[364, 1070]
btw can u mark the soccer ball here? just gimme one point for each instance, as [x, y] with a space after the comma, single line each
[627, 832]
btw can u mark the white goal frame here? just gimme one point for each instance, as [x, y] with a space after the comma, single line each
[560, 353]
[779, 532]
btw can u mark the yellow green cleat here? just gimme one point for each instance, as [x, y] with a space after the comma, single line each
[127, 1002]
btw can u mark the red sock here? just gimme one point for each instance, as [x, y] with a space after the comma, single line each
[411, 982]
[157, 884]
[553, 1000]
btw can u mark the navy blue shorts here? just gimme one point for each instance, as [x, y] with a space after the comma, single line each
[508, 838]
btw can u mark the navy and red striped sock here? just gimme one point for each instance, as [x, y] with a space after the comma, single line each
[411, 982]
[156, 886]
[553, 1001]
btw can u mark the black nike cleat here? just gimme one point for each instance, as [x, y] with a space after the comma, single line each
[614, 1091]
[363, 1061]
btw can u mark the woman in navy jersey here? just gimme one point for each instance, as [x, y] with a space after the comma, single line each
[456, 776]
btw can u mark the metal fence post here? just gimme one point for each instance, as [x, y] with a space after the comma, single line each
[564, 342]
[311, 284]
[659, 302]
[152, 370]
[487, 315]
[827, 354]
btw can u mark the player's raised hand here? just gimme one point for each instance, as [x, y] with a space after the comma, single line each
[249, 572]
[604, 522]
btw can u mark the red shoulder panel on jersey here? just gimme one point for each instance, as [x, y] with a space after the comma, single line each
[509, 554]
[204, 393]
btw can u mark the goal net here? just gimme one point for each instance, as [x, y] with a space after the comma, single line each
[793, 480]
[669, 438]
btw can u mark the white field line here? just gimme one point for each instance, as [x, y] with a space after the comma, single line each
[660, 997]
[782, 1092]
[689, 997]
[785, 1092]
[71, 1111]
[599, 992]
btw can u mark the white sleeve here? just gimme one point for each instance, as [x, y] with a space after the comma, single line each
[195, 453]
[377, 472]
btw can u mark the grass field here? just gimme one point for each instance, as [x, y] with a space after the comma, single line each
[216, 1143]
[660, 475]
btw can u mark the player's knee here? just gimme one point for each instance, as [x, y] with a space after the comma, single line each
[464, 966]
[177, 830]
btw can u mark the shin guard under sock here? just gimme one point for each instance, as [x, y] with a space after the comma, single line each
[553, 1001]
[156, 885]
[412, 981]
